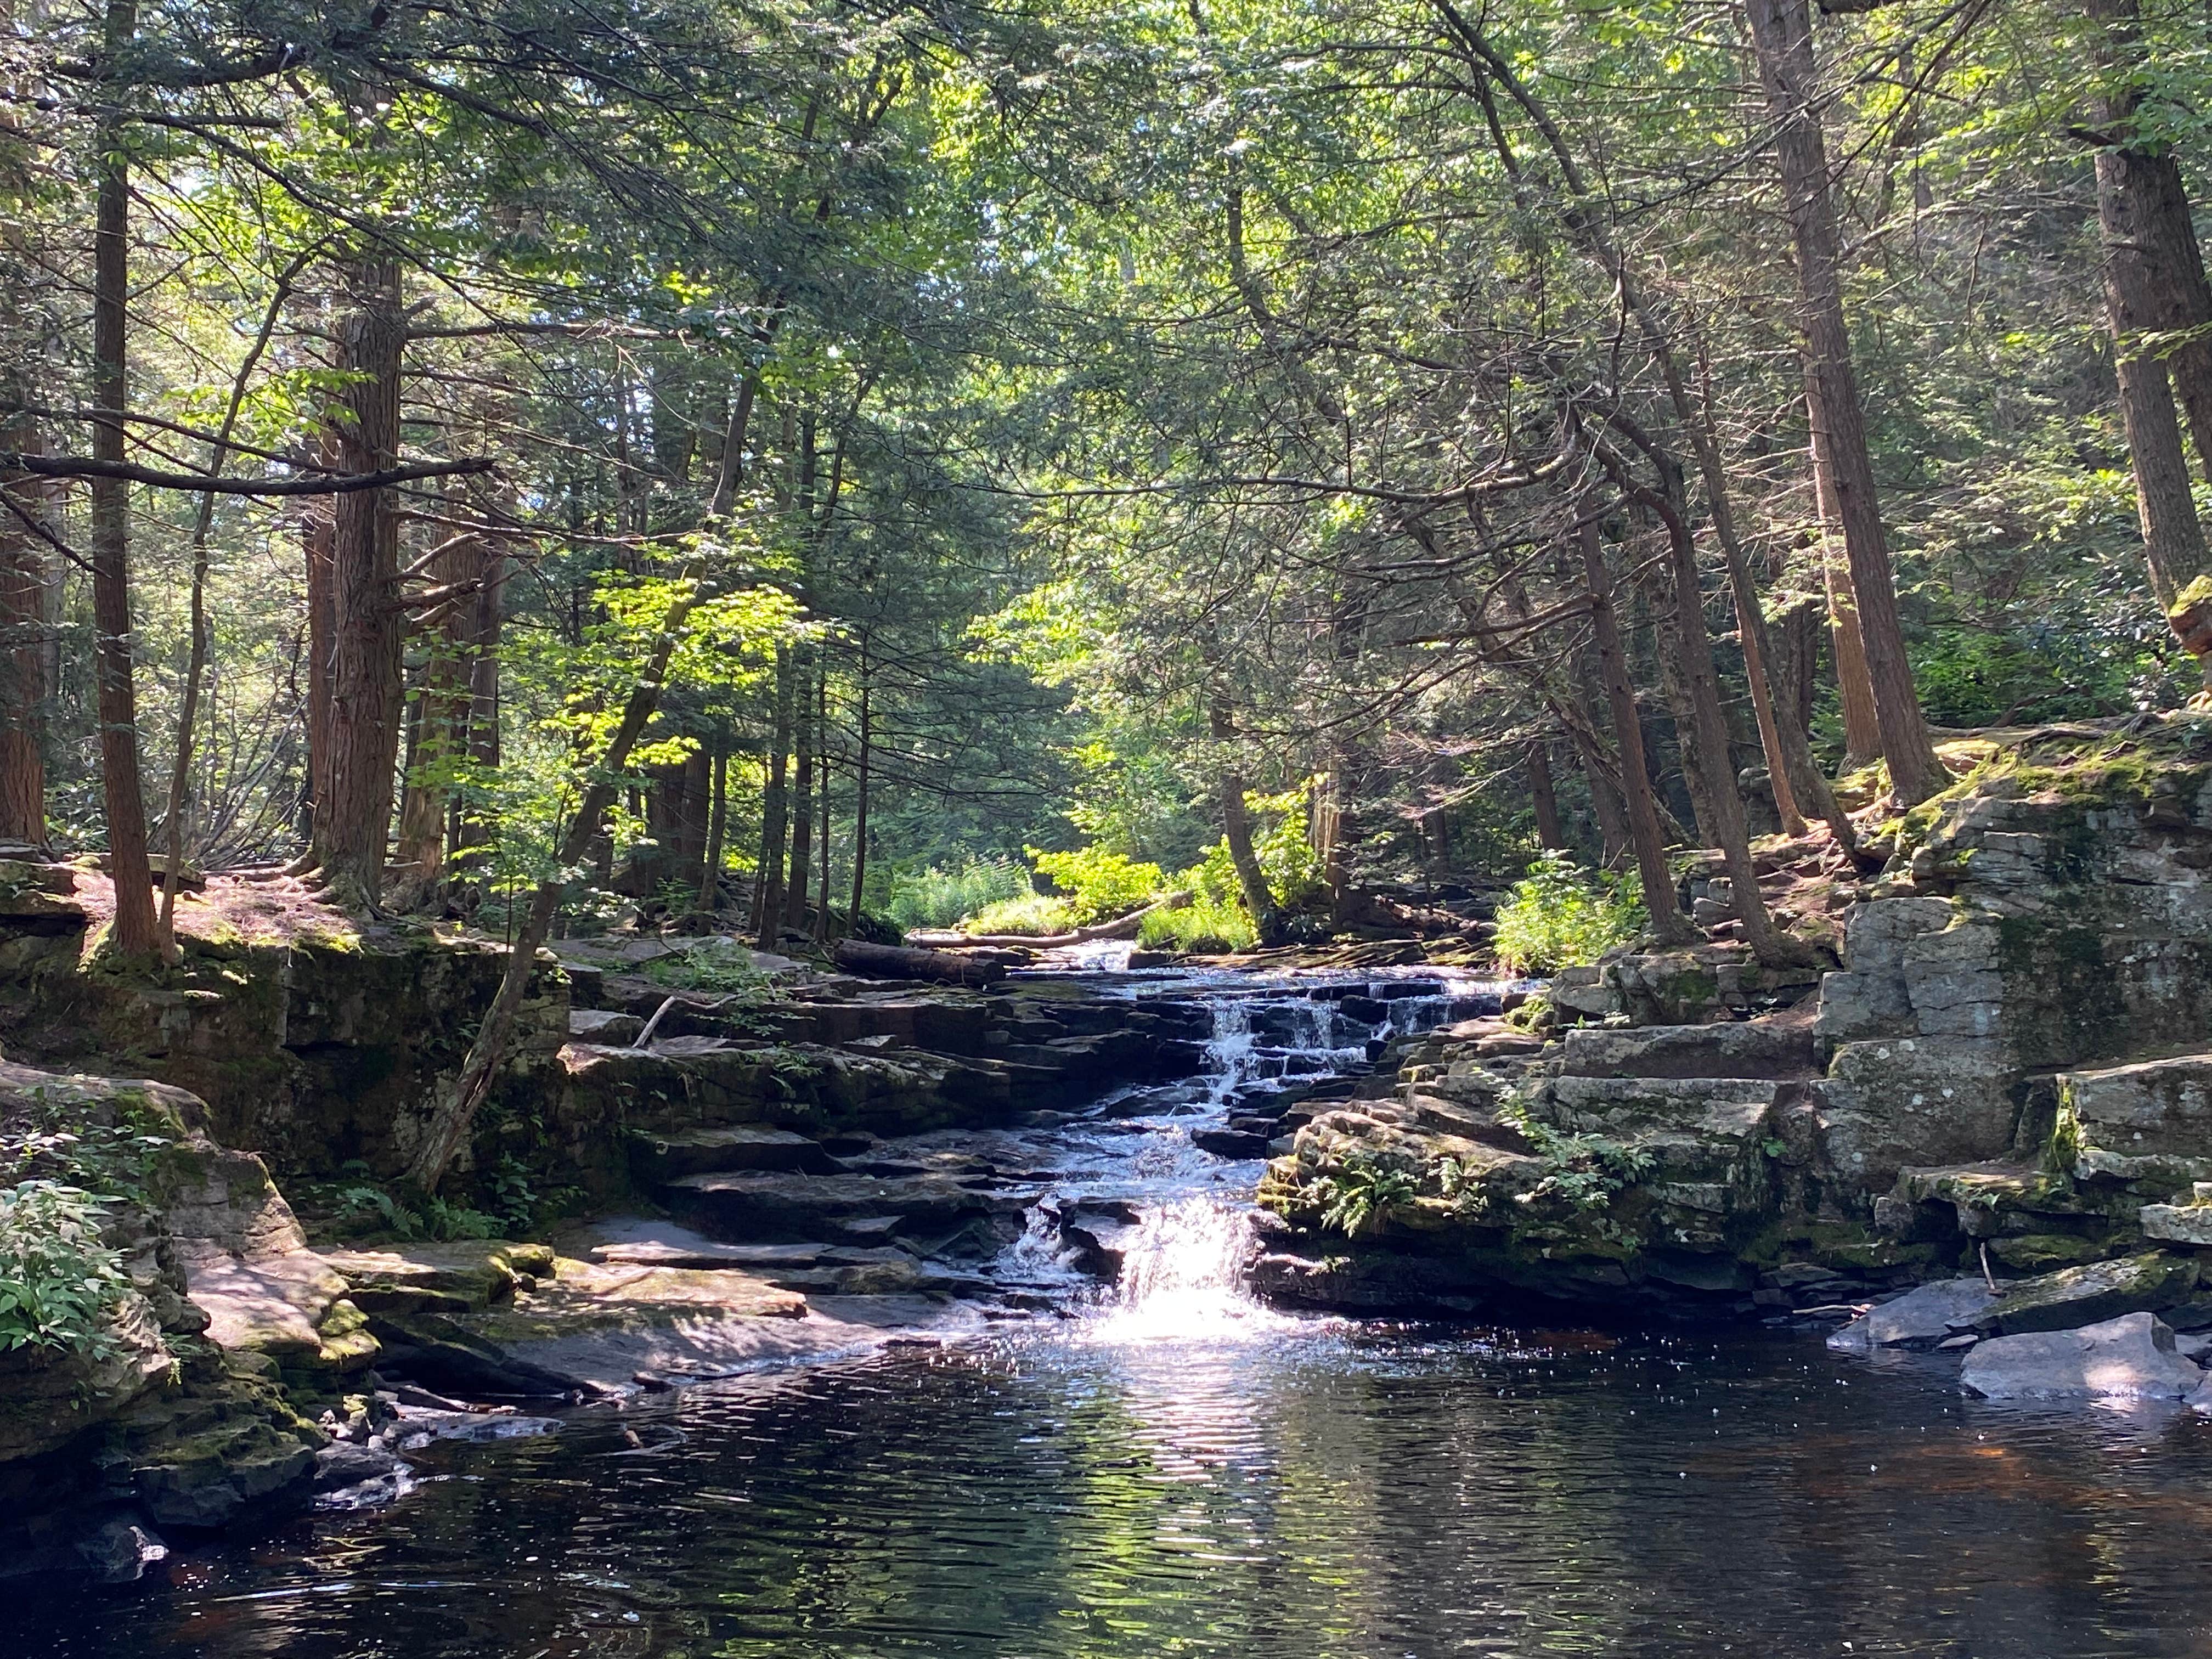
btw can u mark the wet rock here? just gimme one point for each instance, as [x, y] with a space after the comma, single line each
[773, 1208]
[1101, 1231]
[2086, 1295]
[1229, 1143]
[344, 1464]
[2129, 1358]
[1922, 1318]
[119, 1550]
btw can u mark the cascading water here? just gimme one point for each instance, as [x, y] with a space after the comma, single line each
[1170, 1212]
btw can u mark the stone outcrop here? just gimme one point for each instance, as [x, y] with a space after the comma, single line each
[2129, 1358]
[2007, 1075]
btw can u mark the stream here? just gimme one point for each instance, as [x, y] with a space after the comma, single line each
[1166, 1466]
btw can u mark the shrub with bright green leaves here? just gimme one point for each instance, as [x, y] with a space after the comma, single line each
[1207, 927]
[938, 898]
[1098, 884]
[59, 1284]
[1561, 915]
[1033, 914]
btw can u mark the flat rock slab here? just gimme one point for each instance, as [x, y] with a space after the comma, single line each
[1920, 1318]
[2130, 1358]
[748, 1146]
[2083, 1296]
[1749, 1048]
[451, 1277]
[271, 1304]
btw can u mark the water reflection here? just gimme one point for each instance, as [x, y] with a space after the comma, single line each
[1336, 1492]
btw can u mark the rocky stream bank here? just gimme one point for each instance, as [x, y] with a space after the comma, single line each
[1999, 1091]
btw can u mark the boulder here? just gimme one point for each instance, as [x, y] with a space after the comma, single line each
[1229, 1143]
[2129, 1358]
[2181, 1224]
[2081, 1296]
[2159, 1108]
[1748, 1049]
[1920, 1318]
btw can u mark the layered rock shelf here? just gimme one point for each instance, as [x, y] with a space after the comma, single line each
[2001, 1083]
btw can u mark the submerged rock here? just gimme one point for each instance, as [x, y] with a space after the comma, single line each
[2130, 1358]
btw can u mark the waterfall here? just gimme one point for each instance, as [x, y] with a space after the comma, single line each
[1183, 1280]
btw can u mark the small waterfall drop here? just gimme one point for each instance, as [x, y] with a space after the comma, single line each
[1183, 1280]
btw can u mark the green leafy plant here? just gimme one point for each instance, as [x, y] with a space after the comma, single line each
[1206, 926]
[938, 898]
[59, 1282]
[1098, 883]
[1032, 913]
[1365, 1186]
[366, 1208]
[1561, 915]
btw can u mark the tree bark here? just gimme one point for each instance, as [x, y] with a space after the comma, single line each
[860, 791]
[316, 549]
[1544, 799]
[121, 786]
[1854, 687]
[768, 891]
[1237, 828]
[442, 708]
[710, 879]
[1669, 925]
[1782, 34]
[802, 793]
[456, 1111]
[22, 659]
[2151, 248]
[366, 677]
[1706, 744]
[2153, 275]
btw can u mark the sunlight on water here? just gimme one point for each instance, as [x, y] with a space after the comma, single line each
[1182, 1281]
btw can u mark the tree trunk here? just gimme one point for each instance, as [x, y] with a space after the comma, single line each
[316, 547]
[1237, 828]
[1544, 799]
[1854, 685]
[456, 1111]
[1782, 32]
[441, 724]
[822, 795]
[768, 890]
[2155, 282]
[1705, 745]
[802, 794]
[710, 880]
[2150, 237]
[861, 791]
[470, 830]
[121, 786]
[366, 677]
[1669, 925]
[22, 659]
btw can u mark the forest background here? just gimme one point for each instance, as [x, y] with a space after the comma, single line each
[1286, 450]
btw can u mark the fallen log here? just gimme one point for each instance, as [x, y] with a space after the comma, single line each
[903, 962]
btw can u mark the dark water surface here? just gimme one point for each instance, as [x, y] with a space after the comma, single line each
[1274, 1490]
[1175, 1471]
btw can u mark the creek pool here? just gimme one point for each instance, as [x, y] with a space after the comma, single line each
[1250, 1485]
[1169, 1469]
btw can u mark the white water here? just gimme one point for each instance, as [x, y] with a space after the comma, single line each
[1182, 1272]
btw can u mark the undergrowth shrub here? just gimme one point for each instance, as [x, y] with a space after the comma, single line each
[1208, 926]
[1031, 913]
[59, 1284]
[938, 898]
[1098, 884]
[1561, 915]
